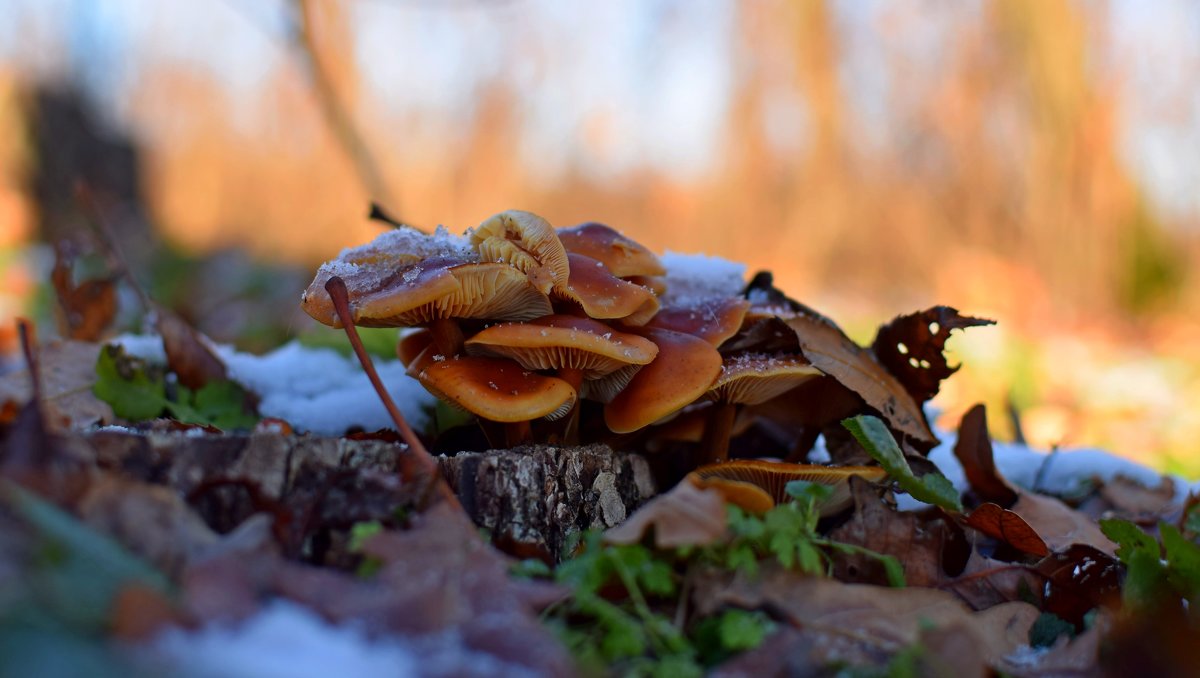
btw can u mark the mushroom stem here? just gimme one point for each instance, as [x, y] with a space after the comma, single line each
[517, 433]
[447, 336]
[714, 446]
[418, 455]
[574, 377]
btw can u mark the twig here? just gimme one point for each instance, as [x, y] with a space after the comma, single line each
[336, 116]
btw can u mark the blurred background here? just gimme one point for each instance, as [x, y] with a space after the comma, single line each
[1032, 161]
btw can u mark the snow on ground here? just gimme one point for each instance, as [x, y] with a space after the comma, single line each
[286, 640]
[316, 390]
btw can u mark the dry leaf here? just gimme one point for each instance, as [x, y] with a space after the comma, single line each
[1060, 525]
[1007, 527]
[87, 308]
[974, 451]
[68, 370]
[685, 516]
[832, 352]
[911, 346]
[862, 624]
[986, 582]
[928, 548]
[188, 355]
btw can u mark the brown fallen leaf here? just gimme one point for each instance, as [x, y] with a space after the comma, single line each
[974, 451]
[684, 516]
[911, 347]
[87, 308]
[188, 355]
[1059, 525]
[931, 549]
[1007, 527]
[1079, 579]
[986, 582]
[1123, 497]
[68, 371]
[832, 352]
[1068, 657]
[863, 624]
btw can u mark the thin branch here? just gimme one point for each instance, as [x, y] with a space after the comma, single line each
[340, 122]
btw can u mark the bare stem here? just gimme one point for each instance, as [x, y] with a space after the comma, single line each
[427, 466]
[714, 447]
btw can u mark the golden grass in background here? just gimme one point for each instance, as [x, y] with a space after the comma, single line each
[1000, 190]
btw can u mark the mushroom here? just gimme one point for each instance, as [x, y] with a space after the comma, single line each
[748, 379]
[577, 349]
[623, 256]
[713, 320]
[604, 296]
[431, 293]
[526, 241]
[495, 389]
[682, 372]
[771, 477]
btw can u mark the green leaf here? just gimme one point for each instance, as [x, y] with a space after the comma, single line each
[804, 491]
[1129, 537]
[894, 570]
[1183, 561]
[78, 571]
[1145, 580]
[877, 440]
[223, 404]
[809, 558]
[1047, 628]
[740, 630]
[133, 389]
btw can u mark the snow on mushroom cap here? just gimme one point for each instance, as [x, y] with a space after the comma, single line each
[695, 278]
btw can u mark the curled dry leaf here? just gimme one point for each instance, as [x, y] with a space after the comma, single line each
[1060, 525]
[1079, 579]
[188, 355]
[911, 346]
[685, 516]
[87, 308]
[974, 451]
[68, 370]
[1007, 527]
[832, 352]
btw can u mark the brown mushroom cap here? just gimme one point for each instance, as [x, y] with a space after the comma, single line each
[684, 369]
[437, 288]
[773, 477]
[411, 345]
[754, 378]
[564, 342]
[526, 241]
[602, 295]
[713, 320]
[655, 283]
[746, 496]
[623, 256]
[493, 388]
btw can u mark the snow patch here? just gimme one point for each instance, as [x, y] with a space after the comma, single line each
[695, 278]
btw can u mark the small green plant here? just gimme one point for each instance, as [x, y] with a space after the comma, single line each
[1158, 574]
[137, 391]
[628, 606]
[877, 440]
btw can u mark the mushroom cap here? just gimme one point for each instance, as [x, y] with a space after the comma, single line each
[556, 342]
[493, 388]
[713, 320]
[682, 372]
[623, 256]
[773, 477]
[603, 295]
[744, 495]
[411, 345]
[655, 283]
[526, 241]
[439, 288]
[754, 378]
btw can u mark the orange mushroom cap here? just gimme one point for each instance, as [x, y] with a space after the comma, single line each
[682, 372]
[602, 295]
[623, 256]
[754, 378]
[713, 320]
[773, 477]
[526, 241]
[563, 341]
[493, 388]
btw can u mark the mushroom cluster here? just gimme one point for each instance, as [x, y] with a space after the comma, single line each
[519, 321]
